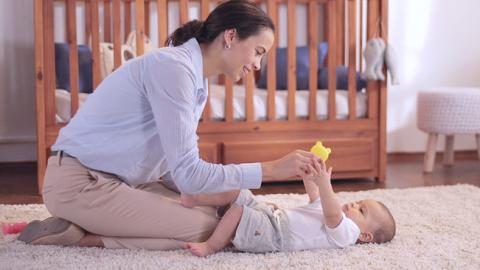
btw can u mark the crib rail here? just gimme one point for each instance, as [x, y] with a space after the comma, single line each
[344, 24]
[338, 34]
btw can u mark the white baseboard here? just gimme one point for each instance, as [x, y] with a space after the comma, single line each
[17, 139]
[18, 149]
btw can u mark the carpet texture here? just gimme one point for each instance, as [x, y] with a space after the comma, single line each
[437, 228]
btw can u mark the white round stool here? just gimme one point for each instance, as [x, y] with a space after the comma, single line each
[447, 111]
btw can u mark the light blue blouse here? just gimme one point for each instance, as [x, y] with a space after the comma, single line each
[140, 124]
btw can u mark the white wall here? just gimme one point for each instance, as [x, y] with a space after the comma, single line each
[437, 43]
[17, 85]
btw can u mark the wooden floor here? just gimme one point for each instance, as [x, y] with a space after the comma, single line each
[18, 180]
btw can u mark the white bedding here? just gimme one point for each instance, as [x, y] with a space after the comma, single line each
[217, 101]
[62, 104]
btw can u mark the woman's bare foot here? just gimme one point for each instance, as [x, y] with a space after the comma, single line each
[90, 240]
[187, 200]
[200, 249]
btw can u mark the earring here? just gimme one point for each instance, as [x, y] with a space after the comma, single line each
[227, 46]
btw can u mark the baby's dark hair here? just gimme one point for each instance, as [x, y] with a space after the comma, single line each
[386, 228]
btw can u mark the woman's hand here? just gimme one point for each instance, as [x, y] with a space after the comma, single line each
[296, 164]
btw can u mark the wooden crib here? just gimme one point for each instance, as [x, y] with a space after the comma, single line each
[358, 143]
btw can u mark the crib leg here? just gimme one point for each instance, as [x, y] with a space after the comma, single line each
[478, 144]
[429, 160]
[448, 152]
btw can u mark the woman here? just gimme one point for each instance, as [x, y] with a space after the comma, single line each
[113, 178]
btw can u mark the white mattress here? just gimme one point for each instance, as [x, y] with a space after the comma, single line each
[217, 101]
[62, 104]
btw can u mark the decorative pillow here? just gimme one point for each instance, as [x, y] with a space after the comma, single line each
[342, 79]
[128, 51]
[302, 67]
[62, 67]
[107, 57]
[132, 42]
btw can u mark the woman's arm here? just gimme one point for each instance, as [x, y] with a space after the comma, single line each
[171, 102]
[172, 95]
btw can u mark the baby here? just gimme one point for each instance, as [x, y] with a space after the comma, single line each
[254, 226]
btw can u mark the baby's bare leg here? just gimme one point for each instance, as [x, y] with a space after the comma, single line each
[222, 235]
[212, 199]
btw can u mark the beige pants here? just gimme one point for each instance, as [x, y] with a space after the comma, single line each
[147, 216]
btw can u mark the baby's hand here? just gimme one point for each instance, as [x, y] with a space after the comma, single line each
[321, 175]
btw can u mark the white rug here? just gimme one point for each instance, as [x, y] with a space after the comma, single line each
[438, 228]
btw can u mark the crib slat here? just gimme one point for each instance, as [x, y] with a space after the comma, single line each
[206, 115]
[49, 54]
[302, 2]
[107, 21]
[117, 39]
[272, 63]
[324, 13]
[372, 86]
[291, 60]
[352, 61]
[139, 27]
[72, 54]
[332, 59]
[95, 43]
[162, 21]
[40, 92]
[183, 11]
[204, 11]
[147, 17]
[249, 85]
[361, 14]
[340, 14]
[228, 100]
[313, 58]
[128, 18]
[88, 22]
[382, 138]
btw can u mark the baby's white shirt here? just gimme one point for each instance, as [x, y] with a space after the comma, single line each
[309, 231]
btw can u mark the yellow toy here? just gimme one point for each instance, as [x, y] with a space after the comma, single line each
[321, 151]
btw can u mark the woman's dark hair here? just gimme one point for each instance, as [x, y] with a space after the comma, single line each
[241, 15]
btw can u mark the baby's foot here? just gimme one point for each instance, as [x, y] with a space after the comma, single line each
[187, 200]
[200, 249]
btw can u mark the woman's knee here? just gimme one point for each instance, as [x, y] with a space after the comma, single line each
[55, 205]
[61, 202]
[51, 199]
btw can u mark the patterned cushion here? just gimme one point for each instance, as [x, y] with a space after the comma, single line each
[449, 111]
[302, 65]
[62, 68]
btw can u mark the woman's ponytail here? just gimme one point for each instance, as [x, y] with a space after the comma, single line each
[184, 33]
